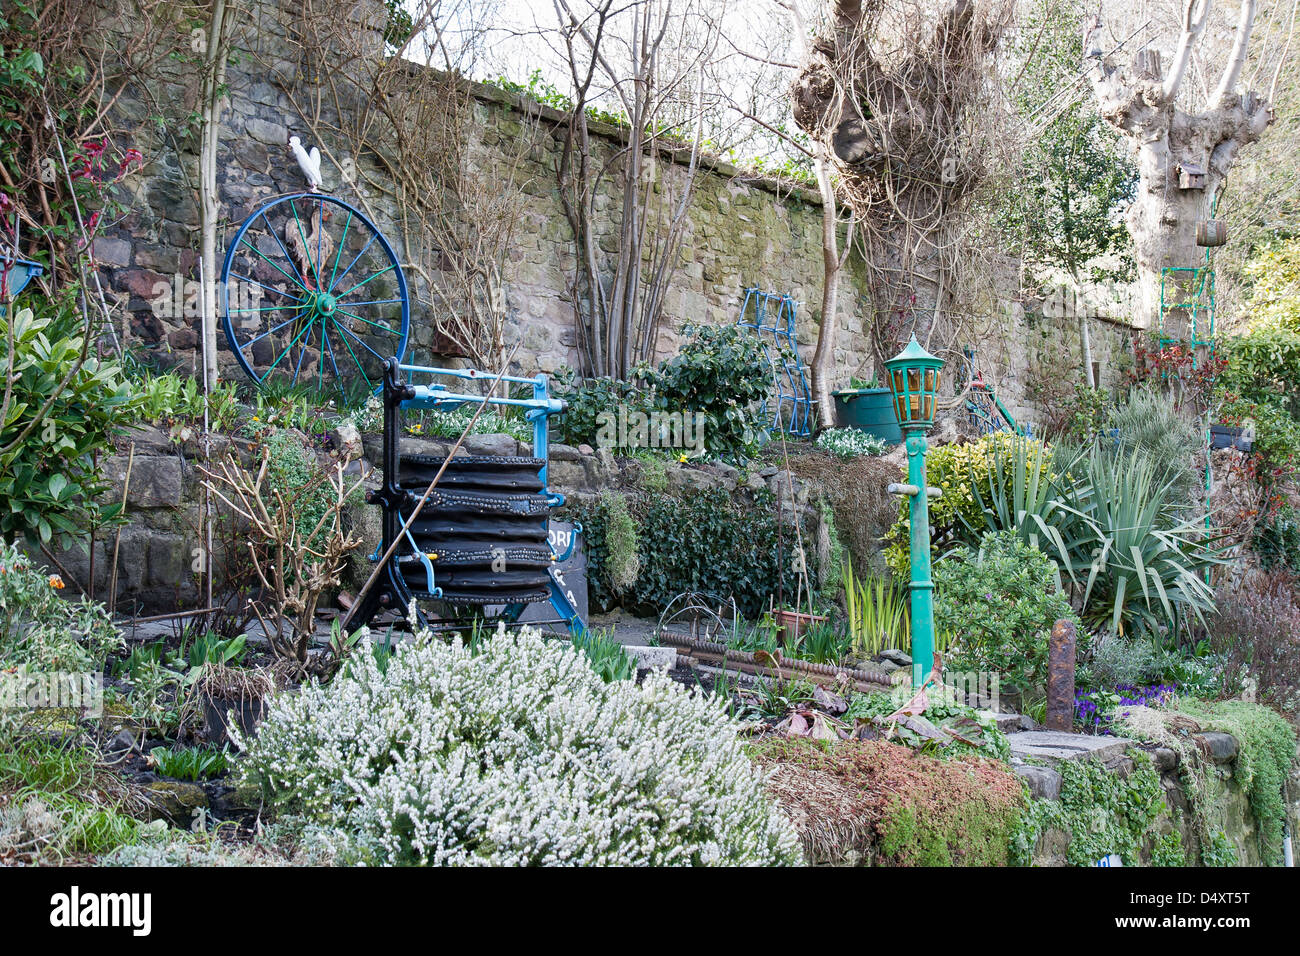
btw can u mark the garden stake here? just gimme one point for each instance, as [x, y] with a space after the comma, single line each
[117, 538]
[415, 511]
[1060, 677]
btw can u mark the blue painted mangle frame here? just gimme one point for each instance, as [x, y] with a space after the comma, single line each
[393, 591]
[772, 316]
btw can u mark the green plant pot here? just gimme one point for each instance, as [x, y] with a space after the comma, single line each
[869, 410]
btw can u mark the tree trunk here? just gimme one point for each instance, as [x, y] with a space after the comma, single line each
[1141, 102]
[822, 367]
[209, 207]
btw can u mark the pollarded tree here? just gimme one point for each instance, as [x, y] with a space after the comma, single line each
[1183, 156]
[896, 94]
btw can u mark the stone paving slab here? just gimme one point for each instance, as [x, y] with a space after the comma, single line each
[1053, 746]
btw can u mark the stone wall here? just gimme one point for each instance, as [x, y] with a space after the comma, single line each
[1037, 754]
[742, 230]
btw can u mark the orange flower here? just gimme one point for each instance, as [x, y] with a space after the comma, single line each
[56, 582]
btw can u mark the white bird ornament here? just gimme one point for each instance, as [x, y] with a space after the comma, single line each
[308, 162]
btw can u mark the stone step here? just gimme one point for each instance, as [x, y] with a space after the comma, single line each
[1053, 746]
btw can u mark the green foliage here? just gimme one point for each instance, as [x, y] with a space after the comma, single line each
[190, 763]
[1119, 662]
[1167, 850]
[607, 656]
[1135, 556]
[296, 481]
[957, 470]
[586, 399]
[1000, 603]
[709, 541]
[1103, 812]
[1065, 209]
[1147, 423]
[1217, 851]
[175, 400]
[49, 485]
[60, 802]
[452, 424]
[42, 631]
[876, 612]
[1090, 408]
[1277, 540]
[1019, 493]
[723, 373]
[1267, 750]
[1275, 434]
[1274, 273]
[622, 560]
[850, 443]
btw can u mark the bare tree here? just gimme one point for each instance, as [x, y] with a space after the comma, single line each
[399, 121]
[647, 59]
[1183, 153]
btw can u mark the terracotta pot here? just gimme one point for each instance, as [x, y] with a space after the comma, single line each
[793, 624]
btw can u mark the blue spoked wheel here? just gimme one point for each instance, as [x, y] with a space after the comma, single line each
[313, 297]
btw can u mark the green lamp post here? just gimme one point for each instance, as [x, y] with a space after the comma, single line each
[914, 380]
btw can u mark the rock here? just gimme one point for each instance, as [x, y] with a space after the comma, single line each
[176, 800]
[1222, 748]
[1007, 723]
[652, 658]
[1044, 782]
[560, 452]
[156, 481]
[585, 449]
[896, 657]
[502, 445]
[1028, 723]
[244, 798]
[1164, 759]
[125, 740]
[1054, 745]
[346, 440]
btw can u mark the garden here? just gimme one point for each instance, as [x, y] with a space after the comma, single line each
[442, 485]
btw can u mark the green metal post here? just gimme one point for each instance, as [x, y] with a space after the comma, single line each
[921, 586]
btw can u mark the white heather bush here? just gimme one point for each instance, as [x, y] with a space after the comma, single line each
[517, 753]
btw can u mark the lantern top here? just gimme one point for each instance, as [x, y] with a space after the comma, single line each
[914, 354]
[914, 380]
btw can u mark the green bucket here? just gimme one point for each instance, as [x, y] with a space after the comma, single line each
[869, 410]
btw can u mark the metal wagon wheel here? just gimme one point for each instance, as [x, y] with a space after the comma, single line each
[313, 296]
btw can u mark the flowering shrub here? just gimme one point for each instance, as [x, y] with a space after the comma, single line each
[514, 753]
[42, 631]
[850, 443]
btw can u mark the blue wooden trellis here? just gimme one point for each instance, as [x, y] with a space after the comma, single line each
[772, 316]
